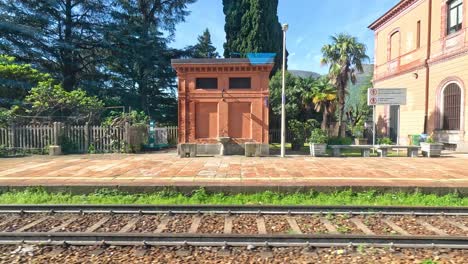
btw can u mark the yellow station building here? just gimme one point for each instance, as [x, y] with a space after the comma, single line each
[422, 45]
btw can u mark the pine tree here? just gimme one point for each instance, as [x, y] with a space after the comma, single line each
[140, 59]
[204, 48]
[253, 26]
[61, 37]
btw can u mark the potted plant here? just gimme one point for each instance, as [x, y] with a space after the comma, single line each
[430, 148]
[318, 143]
[358, 133]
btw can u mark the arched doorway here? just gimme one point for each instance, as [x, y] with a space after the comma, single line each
[451, 108]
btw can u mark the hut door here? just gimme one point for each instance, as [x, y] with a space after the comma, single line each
[240, 123]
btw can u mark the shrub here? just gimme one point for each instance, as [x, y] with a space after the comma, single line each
[318, 136]
[340, 141]
[68, 146]
[299, 131]
[134, 118]
[384, 141]
[91, 149]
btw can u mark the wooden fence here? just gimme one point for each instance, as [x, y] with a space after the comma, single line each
[84, 139]
[27, 137]
[79, 139]
[172, 135]
[75, 139]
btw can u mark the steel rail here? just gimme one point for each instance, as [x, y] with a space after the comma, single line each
[234, 209]
[223, 240]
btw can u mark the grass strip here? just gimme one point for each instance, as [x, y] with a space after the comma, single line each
[106, 196]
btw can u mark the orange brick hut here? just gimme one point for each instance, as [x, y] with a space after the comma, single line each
[223, 104]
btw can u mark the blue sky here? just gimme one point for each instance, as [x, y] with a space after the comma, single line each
[311, 22]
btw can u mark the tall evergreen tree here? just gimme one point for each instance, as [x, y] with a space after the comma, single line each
[253, 26]
[204, 48]
[61, 37]
[140, 63]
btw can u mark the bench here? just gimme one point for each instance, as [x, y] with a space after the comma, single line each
[412, 151]
[365, 149]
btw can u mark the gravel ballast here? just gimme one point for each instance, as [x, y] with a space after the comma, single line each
[46, 254]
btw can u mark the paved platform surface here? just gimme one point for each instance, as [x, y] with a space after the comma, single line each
[166, 169]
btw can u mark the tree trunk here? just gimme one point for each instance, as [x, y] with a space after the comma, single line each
[341, 102]
[324, 125]
[68, 72]
[341, 131]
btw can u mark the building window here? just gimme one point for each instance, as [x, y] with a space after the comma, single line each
[240, 83]
[207, 83]
[418, 34]
[454, 16]
[395, 45]
[452, 107]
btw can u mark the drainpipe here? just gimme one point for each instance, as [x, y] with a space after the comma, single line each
[426, 64]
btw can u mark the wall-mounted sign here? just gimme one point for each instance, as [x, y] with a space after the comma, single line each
[384, 96]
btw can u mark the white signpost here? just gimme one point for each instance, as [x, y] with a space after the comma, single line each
[386, 96]
[377, 96]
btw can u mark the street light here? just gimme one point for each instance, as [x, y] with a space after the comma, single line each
[283, 96]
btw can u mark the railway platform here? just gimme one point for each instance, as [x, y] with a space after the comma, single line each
[149, 172]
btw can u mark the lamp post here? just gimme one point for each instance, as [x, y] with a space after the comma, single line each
[283, 96]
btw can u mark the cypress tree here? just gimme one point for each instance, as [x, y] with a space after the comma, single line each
[253, 26]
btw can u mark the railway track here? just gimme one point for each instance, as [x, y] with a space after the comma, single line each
[235, 226]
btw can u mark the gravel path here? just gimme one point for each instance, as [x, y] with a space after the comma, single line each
[27, 254]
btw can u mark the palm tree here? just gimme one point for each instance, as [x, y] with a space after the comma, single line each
[323, 95]
[345, 56]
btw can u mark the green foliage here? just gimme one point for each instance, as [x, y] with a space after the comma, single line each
[296, 88]
[318, 136]
[6, 117]
[119, 118]
[138, 36]
[299, 131]
[429, 261]
[3, 151]
[116, 50]
[358, 130]
[91, 149]
[340, 141]
[201, 196]
[323, 96]
[16, 80]
[49, 99]
[204, 48]
[68, 146]
[384, 141]
[253, 26]
[62, 39]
